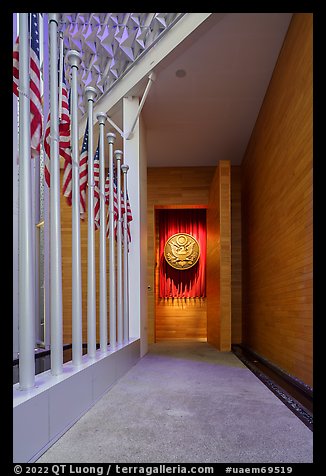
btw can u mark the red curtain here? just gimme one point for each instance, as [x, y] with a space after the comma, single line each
[189, 282]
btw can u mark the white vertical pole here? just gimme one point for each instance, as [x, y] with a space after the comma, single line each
[113, 331]
[125, 169]
[15, 197]
[74, 59]
[60, 71]
[35, 200]
[26, 287]
[46, 196]
[91, 94]
[55, 223]
[101, 117]
[39, 337]
[118, 155]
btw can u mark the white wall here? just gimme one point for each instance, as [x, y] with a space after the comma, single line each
[135, 157]
[143, 239]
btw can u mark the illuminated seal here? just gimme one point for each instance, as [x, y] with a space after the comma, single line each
[181, 251]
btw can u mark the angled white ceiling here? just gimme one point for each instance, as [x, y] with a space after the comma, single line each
[209, 114]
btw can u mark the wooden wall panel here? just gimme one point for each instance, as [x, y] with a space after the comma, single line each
[213, 263]
[181, 319]
[236, 263]
[225, 254]
[213, 260]
[172, 187]
[277, 212]
[219, 259]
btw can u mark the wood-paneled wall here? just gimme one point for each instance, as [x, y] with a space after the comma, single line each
[177, 187]
[277, 214]
[213, 262]
[219, 259]
[181, 319]
[236, 263]
[225, 256]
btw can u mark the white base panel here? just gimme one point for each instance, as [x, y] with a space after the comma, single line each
[44, 413]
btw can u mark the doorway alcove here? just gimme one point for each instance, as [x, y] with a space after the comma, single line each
[180, 295]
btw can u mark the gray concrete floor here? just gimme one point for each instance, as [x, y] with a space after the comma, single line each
[185, 402]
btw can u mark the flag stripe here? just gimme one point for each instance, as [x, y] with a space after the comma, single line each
[64, 145]
[115, 203]
[83, 171]
[36, 112]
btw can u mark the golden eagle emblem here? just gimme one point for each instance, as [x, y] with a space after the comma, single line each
[181, 251]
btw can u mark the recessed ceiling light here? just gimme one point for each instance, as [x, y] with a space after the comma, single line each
[180, 73]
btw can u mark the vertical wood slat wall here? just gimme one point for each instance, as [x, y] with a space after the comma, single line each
[236, 258]
[213, 262]
[219, 259]
[225, 257]
[277, 212]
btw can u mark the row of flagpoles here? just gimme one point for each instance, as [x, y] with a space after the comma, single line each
[108, 204]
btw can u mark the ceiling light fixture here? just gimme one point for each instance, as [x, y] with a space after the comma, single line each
[180, 73]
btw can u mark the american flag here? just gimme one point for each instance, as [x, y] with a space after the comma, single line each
[34, 83]
[115, 202]
[65, 140]
[64, 144]
[96, 187]
[129, 217]
[83, 173]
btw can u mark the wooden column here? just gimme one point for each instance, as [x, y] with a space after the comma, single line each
[219, 259]
[225, 256]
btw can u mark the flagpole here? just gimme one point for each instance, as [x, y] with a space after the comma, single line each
[101, 117]
[39, 337]
[74, 59]
[113, 331]
[26, 287]
[60, 71]
[91, 94]
[125, 169]
[118, 155]
[55, 223]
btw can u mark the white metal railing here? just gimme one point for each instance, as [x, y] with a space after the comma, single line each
[118, 224]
